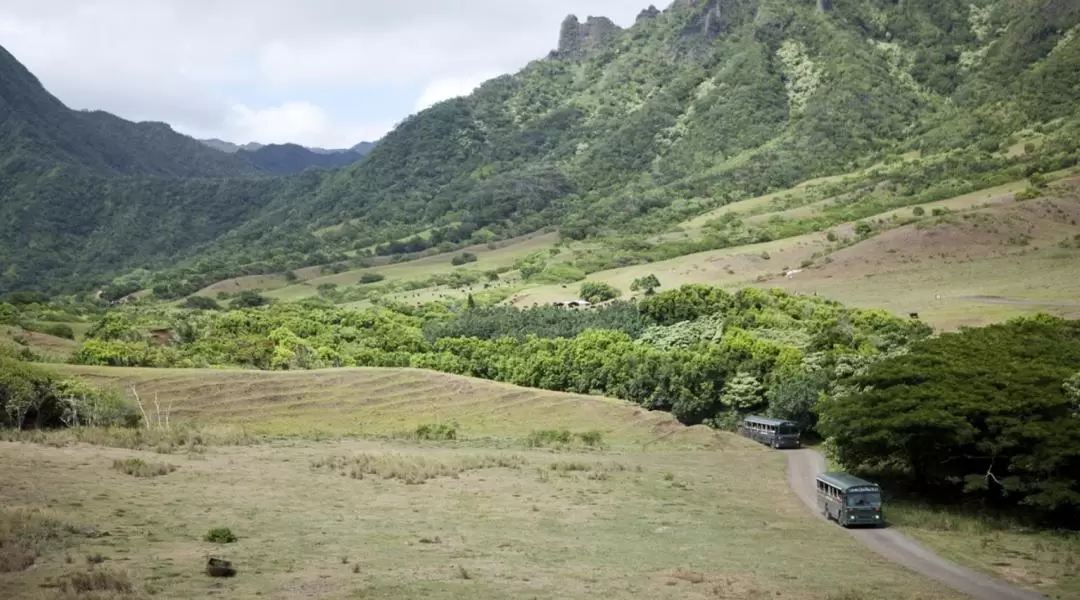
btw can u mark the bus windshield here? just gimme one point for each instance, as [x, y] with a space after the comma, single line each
[863, 498]
[787, 429]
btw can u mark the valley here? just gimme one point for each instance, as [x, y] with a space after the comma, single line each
[354, 372]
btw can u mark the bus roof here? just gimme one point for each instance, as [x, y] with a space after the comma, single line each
[844, 480]
[768, 421]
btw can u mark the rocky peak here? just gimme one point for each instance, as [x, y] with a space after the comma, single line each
[649, 13]
[578, 40]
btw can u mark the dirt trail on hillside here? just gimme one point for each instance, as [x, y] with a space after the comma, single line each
[803, 468]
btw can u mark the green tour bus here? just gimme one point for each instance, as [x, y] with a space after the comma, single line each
[849, 500]
[772, 432]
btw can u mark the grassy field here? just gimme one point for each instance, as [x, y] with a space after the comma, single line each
[695, 514]
[42, 344]
[1048, 562]
[989, 259]
[501, 255]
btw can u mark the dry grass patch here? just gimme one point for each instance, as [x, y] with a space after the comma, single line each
[513, 535]
[182, 439]
[27, 533]
[138, 467]
[414, 469]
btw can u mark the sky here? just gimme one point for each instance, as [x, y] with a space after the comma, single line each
[327, 73]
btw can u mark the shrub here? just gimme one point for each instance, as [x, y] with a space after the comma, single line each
[463, 258]
[1027, 194]
[831, 236]
[597, 291]
[97, 580]
[436, 431]
[60, 330]
[201, 303]
[563, 437]
[367, 278]
[220, 535]
[137, 467]
[918, 211]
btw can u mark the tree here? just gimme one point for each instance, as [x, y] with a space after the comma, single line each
[647, 284]
[794, 398]
[985, 412]
[598, 291]
[201, 303]
[248, 299]
[742, 393]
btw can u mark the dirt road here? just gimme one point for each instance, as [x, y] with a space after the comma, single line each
[804, 465]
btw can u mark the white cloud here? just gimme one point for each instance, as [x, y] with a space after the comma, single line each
[450, 87]
[191, 62]
[297, 122]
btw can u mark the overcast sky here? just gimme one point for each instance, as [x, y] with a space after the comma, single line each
[316, 72]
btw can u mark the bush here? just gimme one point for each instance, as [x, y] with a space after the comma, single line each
[220, 535]
[463, 258]
[918, 211]
[367, 278]
[60, 330]
[436, 431]
[201, 303]
[137, 467]
[1029, 193]
[596, 291]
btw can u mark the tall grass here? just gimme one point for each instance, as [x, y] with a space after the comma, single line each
[414, 468]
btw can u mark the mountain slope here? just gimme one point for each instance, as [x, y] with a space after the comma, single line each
[616, 132]
[285, 159]
[37, 131]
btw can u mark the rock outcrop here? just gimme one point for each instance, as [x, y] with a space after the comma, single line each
[579, 40]
[649, 13]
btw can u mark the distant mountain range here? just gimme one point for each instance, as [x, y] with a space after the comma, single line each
[285, 159]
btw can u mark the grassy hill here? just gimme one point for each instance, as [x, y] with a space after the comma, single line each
[386, 402]
[400, 518]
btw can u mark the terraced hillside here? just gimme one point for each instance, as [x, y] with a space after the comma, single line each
[372, 401]
[504, 514]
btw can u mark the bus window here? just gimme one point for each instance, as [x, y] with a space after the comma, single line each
[788, 429]
[863, 499]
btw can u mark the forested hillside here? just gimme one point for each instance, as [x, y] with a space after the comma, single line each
[286, 159]
[617, 131]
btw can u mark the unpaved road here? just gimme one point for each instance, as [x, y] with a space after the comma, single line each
[805, 465]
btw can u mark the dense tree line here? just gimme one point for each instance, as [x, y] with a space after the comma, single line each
[992, 414]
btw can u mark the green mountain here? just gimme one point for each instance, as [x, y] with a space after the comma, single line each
[617, 131]
[286, 159]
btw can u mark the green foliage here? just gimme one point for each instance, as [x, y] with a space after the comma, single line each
[436, 431]
[32, 396]
[988, 413]
[463, 259]
[248, 299]
[220, 535]
[918, 211]
[367, 278]
[598, 291]
[647, 284]
[201, 303]
[563, 437]
[648, 126]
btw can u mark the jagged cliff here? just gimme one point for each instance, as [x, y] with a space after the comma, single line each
[578, 41]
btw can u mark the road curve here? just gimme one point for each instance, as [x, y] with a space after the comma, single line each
[805, 465]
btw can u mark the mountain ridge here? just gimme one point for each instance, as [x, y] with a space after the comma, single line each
[626, 131]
